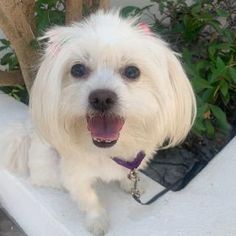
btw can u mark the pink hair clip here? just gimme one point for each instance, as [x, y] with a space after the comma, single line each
[56, 45]
[145, 27]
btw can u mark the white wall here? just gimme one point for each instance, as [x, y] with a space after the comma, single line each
[1, 33]
[137, 3]
[123, 3]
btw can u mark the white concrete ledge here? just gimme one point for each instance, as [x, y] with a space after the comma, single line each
[206, 207]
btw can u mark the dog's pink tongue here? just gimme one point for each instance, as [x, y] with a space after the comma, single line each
[105, 127]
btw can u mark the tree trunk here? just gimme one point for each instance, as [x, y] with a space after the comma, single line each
[11, 78]
[74, 10]
[28, 7]
[104, 4]
[14, 24]
[18, 24]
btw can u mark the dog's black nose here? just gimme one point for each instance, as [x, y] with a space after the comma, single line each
[102, 99]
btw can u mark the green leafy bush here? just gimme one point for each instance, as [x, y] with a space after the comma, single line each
[204, 32]
[49, 13]
[9, 61]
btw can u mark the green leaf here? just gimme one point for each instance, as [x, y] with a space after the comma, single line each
[130, 11]
[42, 21]
[219, 70]
[212, 50]
[224, 46]
[200, 84]
[216, 25]
[6, 58]
[201, 67]
[57, 17]
[196, 8]
[146, 7]
[209, 129]
[222, 13]
[5, 42]
[220, 117]
[201, 110]
[198, 126]
[35, 44]
[208, 95]
[186, 54]
[224, 88]
[232, 72]
[13, 63]
[3, 48]
[220, 63]
[226, 99]
[229, 34]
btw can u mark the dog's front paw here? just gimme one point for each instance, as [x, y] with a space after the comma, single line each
[127, 185]
[97, 224]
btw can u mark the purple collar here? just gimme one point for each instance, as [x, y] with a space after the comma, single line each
[131, 164]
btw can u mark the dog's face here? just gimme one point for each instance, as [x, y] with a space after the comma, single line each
[108, 84]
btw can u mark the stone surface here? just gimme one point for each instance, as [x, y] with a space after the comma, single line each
[8, 227]
[205, 207]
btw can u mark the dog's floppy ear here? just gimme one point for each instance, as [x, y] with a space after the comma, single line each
[56, 37]
[46, 90]
[182, 110]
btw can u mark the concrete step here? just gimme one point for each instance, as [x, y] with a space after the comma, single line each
[206, 207]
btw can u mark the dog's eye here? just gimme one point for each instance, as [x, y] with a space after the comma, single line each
[79, 70]
[131, 72]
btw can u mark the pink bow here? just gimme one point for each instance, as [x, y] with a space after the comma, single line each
[144, 27]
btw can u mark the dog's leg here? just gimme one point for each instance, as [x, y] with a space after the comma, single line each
[96, 216]
[15, 144]
[43, 164]
[81, 189]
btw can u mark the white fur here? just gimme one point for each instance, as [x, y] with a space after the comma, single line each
[159, 106]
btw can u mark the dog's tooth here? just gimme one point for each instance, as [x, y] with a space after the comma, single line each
[102, 140]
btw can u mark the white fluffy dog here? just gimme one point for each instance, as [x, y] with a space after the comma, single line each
[107, 87]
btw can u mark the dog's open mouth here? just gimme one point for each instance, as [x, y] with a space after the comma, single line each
[105, 129]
